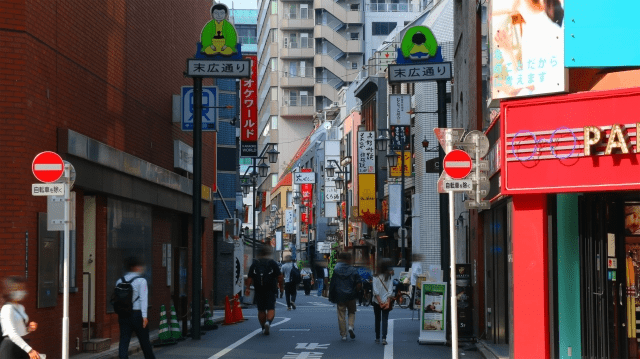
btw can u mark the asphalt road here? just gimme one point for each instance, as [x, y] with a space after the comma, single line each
[311, 332]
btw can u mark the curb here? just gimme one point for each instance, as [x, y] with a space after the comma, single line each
[134, 346]
[488, 352]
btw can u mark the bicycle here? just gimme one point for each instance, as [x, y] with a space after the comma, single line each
[403, 297]
[367, 296]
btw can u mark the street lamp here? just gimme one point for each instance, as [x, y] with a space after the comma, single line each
[392, 159]
[382, 142]
[339, 182]
[263, 168]
[273, 155]
[296, 197]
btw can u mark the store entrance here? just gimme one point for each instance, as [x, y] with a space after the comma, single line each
[610, 270]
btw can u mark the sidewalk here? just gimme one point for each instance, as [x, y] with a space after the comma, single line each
[493, 351]
[134, 347]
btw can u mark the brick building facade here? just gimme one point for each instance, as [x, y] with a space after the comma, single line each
[93, 81]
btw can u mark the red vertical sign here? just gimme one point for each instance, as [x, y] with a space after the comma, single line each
[307, 200]
[249, 111]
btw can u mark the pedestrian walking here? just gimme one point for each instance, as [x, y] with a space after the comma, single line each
[344, 285]
[130, 301]
[383, 298]
[291, 280]
[320, 278]
[307, 280]
[15, 321]
[266, 277]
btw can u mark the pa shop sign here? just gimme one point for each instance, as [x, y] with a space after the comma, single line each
[586, 142]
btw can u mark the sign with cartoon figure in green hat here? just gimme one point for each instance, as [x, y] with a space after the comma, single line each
[219, 36]
[419, 58]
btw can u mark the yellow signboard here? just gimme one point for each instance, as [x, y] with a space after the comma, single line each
[367, 192]
[396, 172]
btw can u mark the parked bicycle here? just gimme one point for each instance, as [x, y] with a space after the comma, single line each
[403, 296]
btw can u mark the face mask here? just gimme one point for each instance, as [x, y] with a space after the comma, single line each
[18, 295]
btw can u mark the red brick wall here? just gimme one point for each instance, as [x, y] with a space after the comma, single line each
[106, 70]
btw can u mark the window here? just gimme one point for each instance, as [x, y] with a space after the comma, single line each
[265, 132]
[274, 7]
[289, 199]
[293, 11]
[273, 33]
[304, 11]
[274, 122]
[274, 64]
[293, 98]
[304, 41]
[293, 69]
[274, 94]
[274, 180]
[355, 7]
[382, 28]
[294, 41]
[354, 65]
[355, 36]
[302, 69]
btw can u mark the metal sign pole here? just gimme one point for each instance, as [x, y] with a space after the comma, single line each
[454, 301]
[196, 274]
[65, 268]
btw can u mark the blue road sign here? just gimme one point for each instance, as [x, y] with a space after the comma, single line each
[209, 115]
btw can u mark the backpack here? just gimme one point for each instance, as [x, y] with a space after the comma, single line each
[295, 276]
[263, 276]
[122, 297]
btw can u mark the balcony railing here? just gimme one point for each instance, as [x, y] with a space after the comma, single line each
[299, 45]
[294, 101]
[247, 40]
[383, 7]
[298, 16]
[307, 74]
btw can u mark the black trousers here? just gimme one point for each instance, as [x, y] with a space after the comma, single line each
[290, 293]
[8, 350]
[307, 285]
[130, 325]
[381, 317]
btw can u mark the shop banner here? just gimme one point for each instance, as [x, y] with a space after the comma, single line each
[366, 152]
[395, 198]
[289, 220]
[584, 142]
[464, 293]
[307, 199]
[432, 313]
[249, 111]
[367, 193]
[397, 171]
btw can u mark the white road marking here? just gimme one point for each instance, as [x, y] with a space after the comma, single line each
[244, 339]
[388, 349]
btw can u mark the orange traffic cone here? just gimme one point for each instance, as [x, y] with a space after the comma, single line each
[228, 315]
[237, 311]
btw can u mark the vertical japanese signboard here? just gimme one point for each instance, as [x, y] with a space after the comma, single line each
[366, 154]
[399, 107]
[307, 199]
[367, 193]
[249, 112]
[288, 221]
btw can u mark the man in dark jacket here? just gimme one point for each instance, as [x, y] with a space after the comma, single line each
[345, 284]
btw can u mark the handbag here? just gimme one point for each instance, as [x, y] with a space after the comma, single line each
[393, 299]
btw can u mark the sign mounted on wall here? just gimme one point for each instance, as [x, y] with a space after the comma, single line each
[249, 112]
[419, 58]
[566, 143]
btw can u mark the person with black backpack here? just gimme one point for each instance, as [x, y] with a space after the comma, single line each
[266, 277]
[130, 300]
[291, 280]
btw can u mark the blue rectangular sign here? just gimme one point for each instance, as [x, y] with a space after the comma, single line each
[601, 34]
[209, 115]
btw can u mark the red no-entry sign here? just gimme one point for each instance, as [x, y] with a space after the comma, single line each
[47, 166]
[457, 164]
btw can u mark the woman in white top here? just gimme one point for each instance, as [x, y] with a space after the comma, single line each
[382, 298]
[15, 322]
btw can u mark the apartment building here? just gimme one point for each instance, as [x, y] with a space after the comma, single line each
[307, 52]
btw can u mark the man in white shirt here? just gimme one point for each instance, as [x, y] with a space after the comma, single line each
[138, 319]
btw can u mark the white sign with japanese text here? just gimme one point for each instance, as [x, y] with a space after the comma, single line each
[304, 177]
[218, 68]
[366, 152]
[399, 107]
[288, 221]
[47, 189]
[331, 194]
[420, 72]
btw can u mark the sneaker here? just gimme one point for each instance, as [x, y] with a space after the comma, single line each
[266, 327]
[351, 333]
[377, 341]
[384, 342]
[288, 308]
[344, 338]
[293, 305]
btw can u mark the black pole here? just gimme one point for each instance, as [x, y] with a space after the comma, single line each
[197, 194]
[255, 201]
[444, 197]
[404, 250]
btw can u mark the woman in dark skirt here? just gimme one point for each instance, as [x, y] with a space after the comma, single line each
[15, 322]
